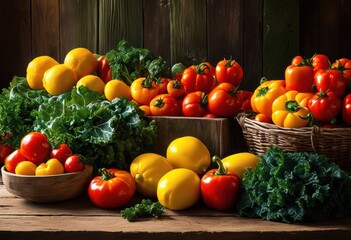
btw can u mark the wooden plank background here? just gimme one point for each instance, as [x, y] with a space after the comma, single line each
[262, 35]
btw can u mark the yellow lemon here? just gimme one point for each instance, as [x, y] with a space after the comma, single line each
[59, 79]
[36, 69]
[93, 83]
[147, 169]
[189, 152]
[179, 189]
[116, 89]
[81, 61]
[238, 162]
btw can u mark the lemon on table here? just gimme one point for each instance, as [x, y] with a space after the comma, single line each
[189, 152]
[147, 169]
[59, 79]
[36, 69]
[238, 162]
[179, 189]
[92, 82]
[116, 89]
[82, 61]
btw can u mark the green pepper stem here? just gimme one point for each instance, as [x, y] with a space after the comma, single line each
[221, 170]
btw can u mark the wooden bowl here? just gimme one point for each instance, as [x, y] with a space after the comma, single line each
[51, 188]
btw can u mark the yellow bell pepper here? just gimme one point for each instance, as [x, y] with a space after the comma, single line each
[265, 94]
[290, 110]
[52, 167]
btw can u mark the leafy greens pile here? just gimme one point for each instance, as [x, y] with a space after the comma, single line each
[129, 63]
[107, 134]
[295, 187]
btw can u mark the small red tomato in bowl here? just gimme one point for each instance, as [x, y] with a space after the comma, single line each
[62, 152]
[35, 147]
[74, 164]
[12, 160]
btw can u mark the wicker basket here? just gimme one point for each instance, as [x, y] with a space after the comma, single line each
[335, 143]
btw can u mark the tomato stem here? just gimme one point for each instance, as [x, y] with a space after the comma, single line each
[105, 174]
[230, 62]
[201, 68]
[221, 170]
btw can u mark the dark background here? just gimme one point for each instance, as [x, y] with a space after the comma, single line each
[262, 35]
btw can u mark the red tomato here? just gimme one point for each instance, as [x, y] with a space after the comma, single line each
[195, 104]
[229, 71]
[13, 159]
[164, 105]
[103, 69]
[73, 164]
[223, 100]
[35, 147]
[219, 188]
[261, 117]
[296, 60]
[346, 109]
[344, 65]
[198, 78]
[320, 61]
[299, 77]
[5, 150]
[325, 106]
[62, 152]
[246, 99]
[210, 115]
[330, 80]
[175, 88]
[114, 188]
[161, 84]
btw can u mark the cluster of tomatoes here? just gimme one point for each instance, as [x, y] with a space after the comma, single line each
[197, 91]
[314, 91]
[36, 157]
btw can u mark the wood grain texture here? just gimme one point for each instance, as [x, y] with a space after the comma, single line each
[79, 219]
[45, 28]
[78, 25]
[156, 27]
[188, 31]
[280, 36]
[120, 19]
[15, 39]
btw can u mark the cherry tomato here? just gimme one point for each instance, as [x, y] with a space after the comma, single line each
[246, 100]
[161, 84]
[223, 100]
[195, 104]
[12, 160]
[5, 150]
[112, 188]
[35, 147]
[143, 90]
[261, 117]
[330, 80]
[73, 164]
[62, 152]
[320, 61]
[299, 77]
[175, 88]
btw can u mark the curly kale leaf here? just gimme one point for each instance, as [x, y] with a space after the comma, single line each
[295, 186]
[108, 134]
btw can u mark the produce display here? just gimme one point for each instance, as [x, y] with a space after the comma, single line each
[97, 110]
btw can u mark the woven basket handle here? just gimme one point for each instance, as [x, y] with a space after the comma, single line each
[314, 138]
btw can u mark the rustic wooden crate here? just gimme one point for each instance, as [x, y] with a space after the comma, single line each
[222, 136]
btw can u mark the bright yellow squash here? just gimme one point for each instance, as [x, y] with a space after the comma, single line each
[238, 162]
[147, 169]
[179, 189]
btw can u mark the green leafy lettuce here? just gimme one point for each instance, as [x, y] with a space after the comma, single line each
[295, 187]
[108, 134]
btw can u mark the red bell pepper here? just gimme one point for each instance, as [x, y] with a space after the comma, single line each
[220, 188]
[104, 70]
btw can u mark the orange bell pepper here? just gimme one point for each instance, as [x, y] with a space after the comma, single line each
[265, 94]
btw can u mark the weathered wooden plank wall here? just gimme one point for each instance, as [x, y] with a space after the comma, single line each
[262, 36]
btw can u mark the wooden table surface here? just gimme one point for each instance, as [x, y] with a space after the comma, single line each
[79, 219]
